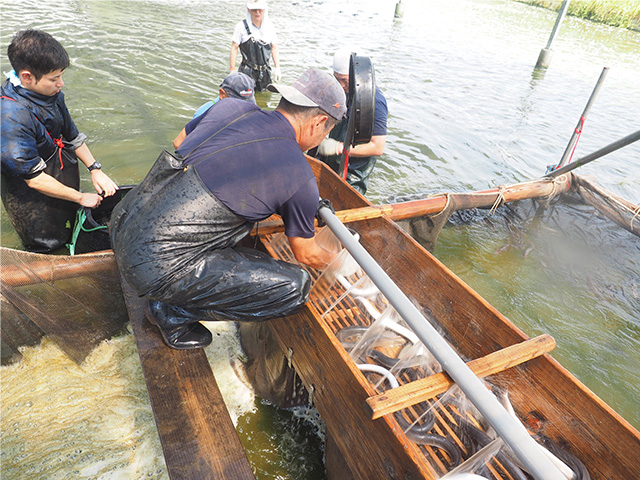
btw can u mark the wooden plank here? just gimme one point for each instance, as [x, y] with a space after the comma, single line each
[197, 434]
[372, 448]
[415, 392]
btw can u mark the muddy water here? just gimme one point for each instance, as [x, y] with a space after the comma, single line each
[467, 112]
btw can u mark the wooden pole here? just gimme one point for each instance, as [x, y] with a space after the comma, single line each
[426, 388]
[434, 205]
[56, 267]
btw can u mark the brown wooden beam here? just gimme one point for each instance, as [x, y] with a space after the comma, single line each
[435, 204]
[197, 434]
[415, 392]
[54, 267]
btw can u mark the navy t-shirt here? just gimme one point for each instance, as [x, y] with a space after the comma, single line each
[380, 118]
[250, 160]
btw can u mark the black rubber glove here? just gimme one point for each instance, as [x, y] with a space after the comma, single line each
[323, 203]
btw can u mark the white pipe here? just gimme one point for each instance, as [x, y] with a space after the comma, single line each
[511, 431]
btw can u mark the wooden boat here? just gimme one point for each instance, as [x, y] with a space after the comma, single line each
[366, 438]
[545, 396]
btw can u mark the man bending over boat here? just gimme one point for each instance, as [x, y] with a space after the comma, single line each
[175, 235]
[41, 146]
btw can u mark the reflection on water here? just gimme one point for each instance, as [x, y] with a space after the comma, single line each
[467, 112]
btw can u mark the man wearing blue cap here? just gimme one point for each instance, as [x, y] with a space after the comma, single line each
[175, 235]
[235, 85]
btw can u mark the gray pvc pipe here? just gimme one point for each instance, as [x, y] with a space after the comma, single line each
[512, 432]
[612, 147]
[559, 19]
[578, 130]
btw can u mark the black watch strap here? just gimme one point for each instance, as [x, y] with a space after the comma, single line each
[94, 166]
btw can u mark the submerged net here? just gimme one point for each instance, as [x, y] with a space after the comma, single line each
[76, 301]
[426, 229]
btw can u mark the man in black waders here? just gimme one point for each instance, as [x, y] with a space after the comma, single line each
[41, 146]
[256, 37]
[175, 235]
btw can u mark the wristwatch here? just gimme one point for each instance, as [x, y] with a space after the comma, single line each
[94, 166]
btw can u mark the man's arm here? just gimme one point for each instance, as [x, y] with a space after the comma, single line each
[232, 57]
[180, 138]
[374, 148]
[47, 185]
[101, 182]
[275, 53]
[307, 251]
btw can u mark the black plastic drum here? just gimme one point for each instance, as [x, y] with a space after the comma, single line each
[362, 89]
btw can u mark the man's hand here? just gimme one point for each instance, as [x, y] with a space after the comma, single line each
[307, 251]
[329, 146]
[103, 184]
[90, 200]
[277, 74]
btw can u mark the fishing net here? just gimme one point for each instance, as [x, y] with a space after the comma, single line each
[75, 300]
[426, 229]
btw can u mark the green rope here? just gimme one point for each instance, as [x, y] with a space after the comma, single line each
[81, 216]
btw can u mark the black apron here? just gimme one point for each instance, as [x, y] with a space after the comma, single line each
[43, 223]
[255, 60]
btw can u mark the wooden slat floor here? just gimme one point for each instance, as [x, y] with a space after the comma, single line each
[338, 311]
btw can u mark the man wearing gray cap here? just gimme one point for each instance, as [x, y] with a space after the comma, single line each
[175, 235]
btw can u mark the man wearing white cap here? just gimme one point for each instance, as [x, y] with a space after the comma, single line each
[176, 234]
[256, 38]
[362, 158]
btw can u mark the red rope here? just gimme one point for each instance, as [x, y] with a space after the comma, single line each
[60, 145]
[578, 130]
[346, 164]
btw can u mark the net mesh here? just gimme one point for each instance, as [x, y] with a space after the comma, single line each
[76, 301]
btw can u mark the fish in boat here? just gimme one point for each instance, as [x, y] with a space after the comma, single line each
[360, 411]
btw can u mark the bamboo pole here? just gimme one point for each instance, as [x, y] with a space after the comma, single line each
[56, 267]
[435, 204]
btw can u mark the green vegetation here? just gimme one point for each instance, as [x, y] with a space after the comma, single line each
[618, 13]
